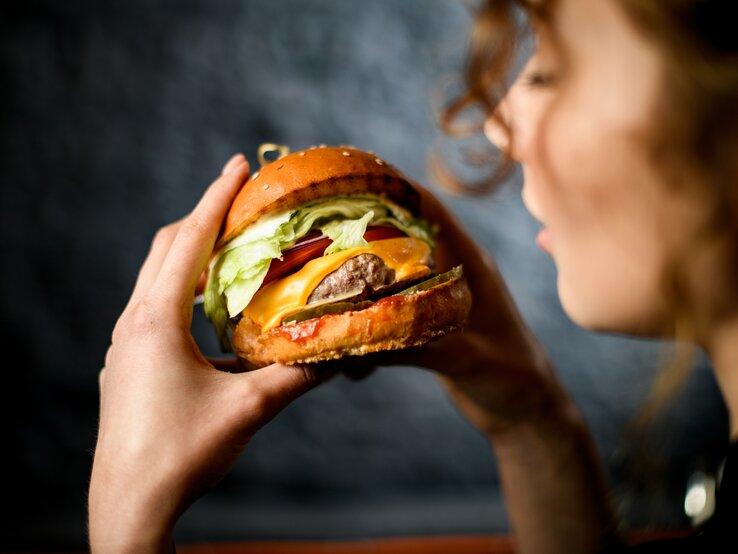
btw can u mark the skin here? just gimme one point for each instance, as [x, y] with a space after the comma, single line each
[581, 137]
[581, 114]
[171, 424]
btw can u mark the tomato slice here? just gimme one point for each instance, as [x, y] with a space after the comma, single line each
[378, 232]
[313, 246]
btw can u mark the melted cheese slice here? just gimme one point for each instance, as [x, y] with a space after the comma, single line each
[409, 258]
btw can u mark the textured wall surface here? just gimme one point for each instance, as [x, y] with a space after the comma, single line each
[115, 116]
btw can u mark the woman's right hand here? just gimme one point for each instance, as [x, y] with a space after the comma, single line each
[495, 370]
[501, 379]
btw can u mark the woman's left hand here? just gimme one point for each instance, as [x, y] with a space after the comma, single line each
[171, 423]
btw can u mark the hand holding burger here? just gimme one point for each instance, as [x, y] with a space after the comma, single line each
[171, 425]
[331, 252]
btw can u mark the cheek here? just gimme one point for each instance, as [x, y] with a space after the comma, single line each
[601, 207]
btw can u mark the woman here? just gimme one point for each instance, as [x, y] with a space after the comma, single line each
[626, 126]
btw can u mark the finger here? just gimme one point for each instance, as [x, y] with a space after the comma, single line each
[231, 365]
[193, 245]
[152, 264]
[235, 161]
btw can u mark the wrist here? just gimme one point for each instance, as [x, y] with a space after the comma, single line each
[554, 418]
[551, 474]
[131, 545]
[503, 391]
[122, 520]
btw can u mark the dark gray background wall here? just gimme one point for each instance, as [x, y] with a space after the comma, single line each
[115, 116]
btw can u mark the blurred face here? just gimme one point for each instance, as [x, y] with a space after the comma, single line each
[581, 113]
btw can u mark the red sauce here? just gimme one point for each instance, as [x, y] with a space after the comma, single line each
[300, 331]
[390, 302]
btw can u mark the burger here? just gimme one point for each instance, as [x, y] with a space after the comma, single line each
[323, 255]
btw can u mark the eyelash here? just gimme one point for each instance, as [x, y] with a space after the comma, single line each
[540, 79]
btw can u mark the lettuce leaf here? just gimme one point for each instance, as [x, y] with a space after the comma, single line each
[346, 233]
[238, 270]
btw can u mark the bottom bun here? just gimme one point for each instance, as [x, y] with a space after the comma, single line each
[390, 323]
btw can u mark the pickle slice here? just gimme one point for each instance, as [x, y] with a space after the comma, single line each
[328, 307]
[452, 275]
[323, 309]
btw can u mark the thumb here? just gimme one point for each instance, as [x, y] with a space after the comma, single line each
[267, 391]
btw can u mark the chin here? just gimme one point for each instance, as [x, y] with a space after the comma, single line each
[606, 312]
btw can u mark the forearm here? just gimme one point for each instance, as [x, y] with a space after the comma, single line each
[109, 536]
[117, 532]
[130, 545]
[556, 493]
[122, 522]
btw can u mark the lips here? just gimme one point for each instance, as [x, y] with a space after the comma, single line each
[544, 239]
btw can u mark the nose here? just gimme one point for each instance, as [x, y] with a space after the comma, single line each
[500, 128]
[510, 127]
[497, 131]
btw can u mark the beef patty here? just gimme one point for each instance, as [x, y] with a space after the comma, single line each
[363, 274]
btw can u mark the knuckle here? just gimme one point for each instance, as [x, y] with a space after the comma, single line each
[194, 226]
[120, 330]
[165, 234]
[141, 320]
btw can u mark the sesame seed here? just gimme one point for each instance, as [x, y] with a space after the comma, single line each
[280, 166]
[265, 187]
[254, 176]
[379, 162]
[345, 153]
[301, 154]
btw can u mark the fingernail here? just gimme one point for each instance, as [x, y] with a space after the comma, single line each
[236, 160]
